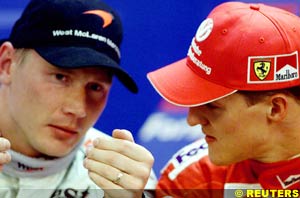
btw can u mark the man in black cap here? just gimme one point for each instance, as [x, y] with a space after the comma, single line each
[56, 71]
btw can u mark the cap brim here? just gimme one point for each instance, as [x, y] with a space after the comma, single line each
[78, 57]
[179, 85]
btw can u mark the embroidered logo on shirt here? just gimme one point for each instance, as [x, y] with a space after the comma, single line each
[26, 168]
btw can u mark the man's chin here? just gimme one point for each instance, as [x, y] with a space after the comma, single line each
[58, 152]
[222, 161]
[218, 160]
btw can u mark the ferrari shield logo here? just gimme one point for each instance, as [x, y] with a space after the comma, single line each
[262, 69]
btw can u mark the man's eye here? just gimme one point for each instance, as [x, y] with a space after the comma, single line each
[60, 77]
[211, 106]
[96, 87]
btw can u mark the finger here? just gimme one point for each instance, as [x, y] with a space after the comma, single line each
[110, 189]
[4, 158]
[117, 163]
[4, 144]
[106, 172]
[127, 148]
[103, 182]
[123, 134]
[113, 175]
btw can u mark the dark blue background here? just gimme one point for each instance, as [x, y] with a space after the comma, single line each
[156, 33]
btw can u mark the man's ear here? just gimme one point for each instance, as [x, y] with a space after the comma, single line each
[6, 60]
[278, 107]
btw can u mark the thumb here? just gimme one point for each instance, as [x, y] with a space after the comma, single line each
[123, 134]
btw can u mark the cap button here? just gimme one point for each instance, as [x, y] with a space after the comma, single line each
[254, 7]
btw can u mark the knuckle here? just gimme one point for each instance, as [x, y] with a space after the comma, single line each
[4, 144]
[124, 146]
[151, 159]
[139, 184]
[90, 153]
[4, 158]
[148, 158]
[106, 172]
[113, 161]
[96, 178]
[143, 173]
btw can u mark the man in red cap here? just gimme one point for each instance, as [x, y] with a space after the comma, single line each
[240, 81]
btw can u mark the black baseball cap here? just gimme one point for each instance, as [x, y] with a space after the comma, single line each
[73, 34]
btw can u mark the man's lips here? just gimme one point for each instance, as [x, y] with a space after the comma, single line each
[66, 129]
[210, 139]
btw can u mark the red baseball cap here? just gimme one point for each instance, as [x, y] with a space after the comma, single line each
[239, 46]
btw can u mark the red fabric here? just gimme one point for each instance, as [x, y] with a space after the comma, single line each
[203, 179]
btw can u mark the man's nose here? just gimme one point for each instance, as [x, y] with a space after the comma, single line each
[76, 103]
[195, 117]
